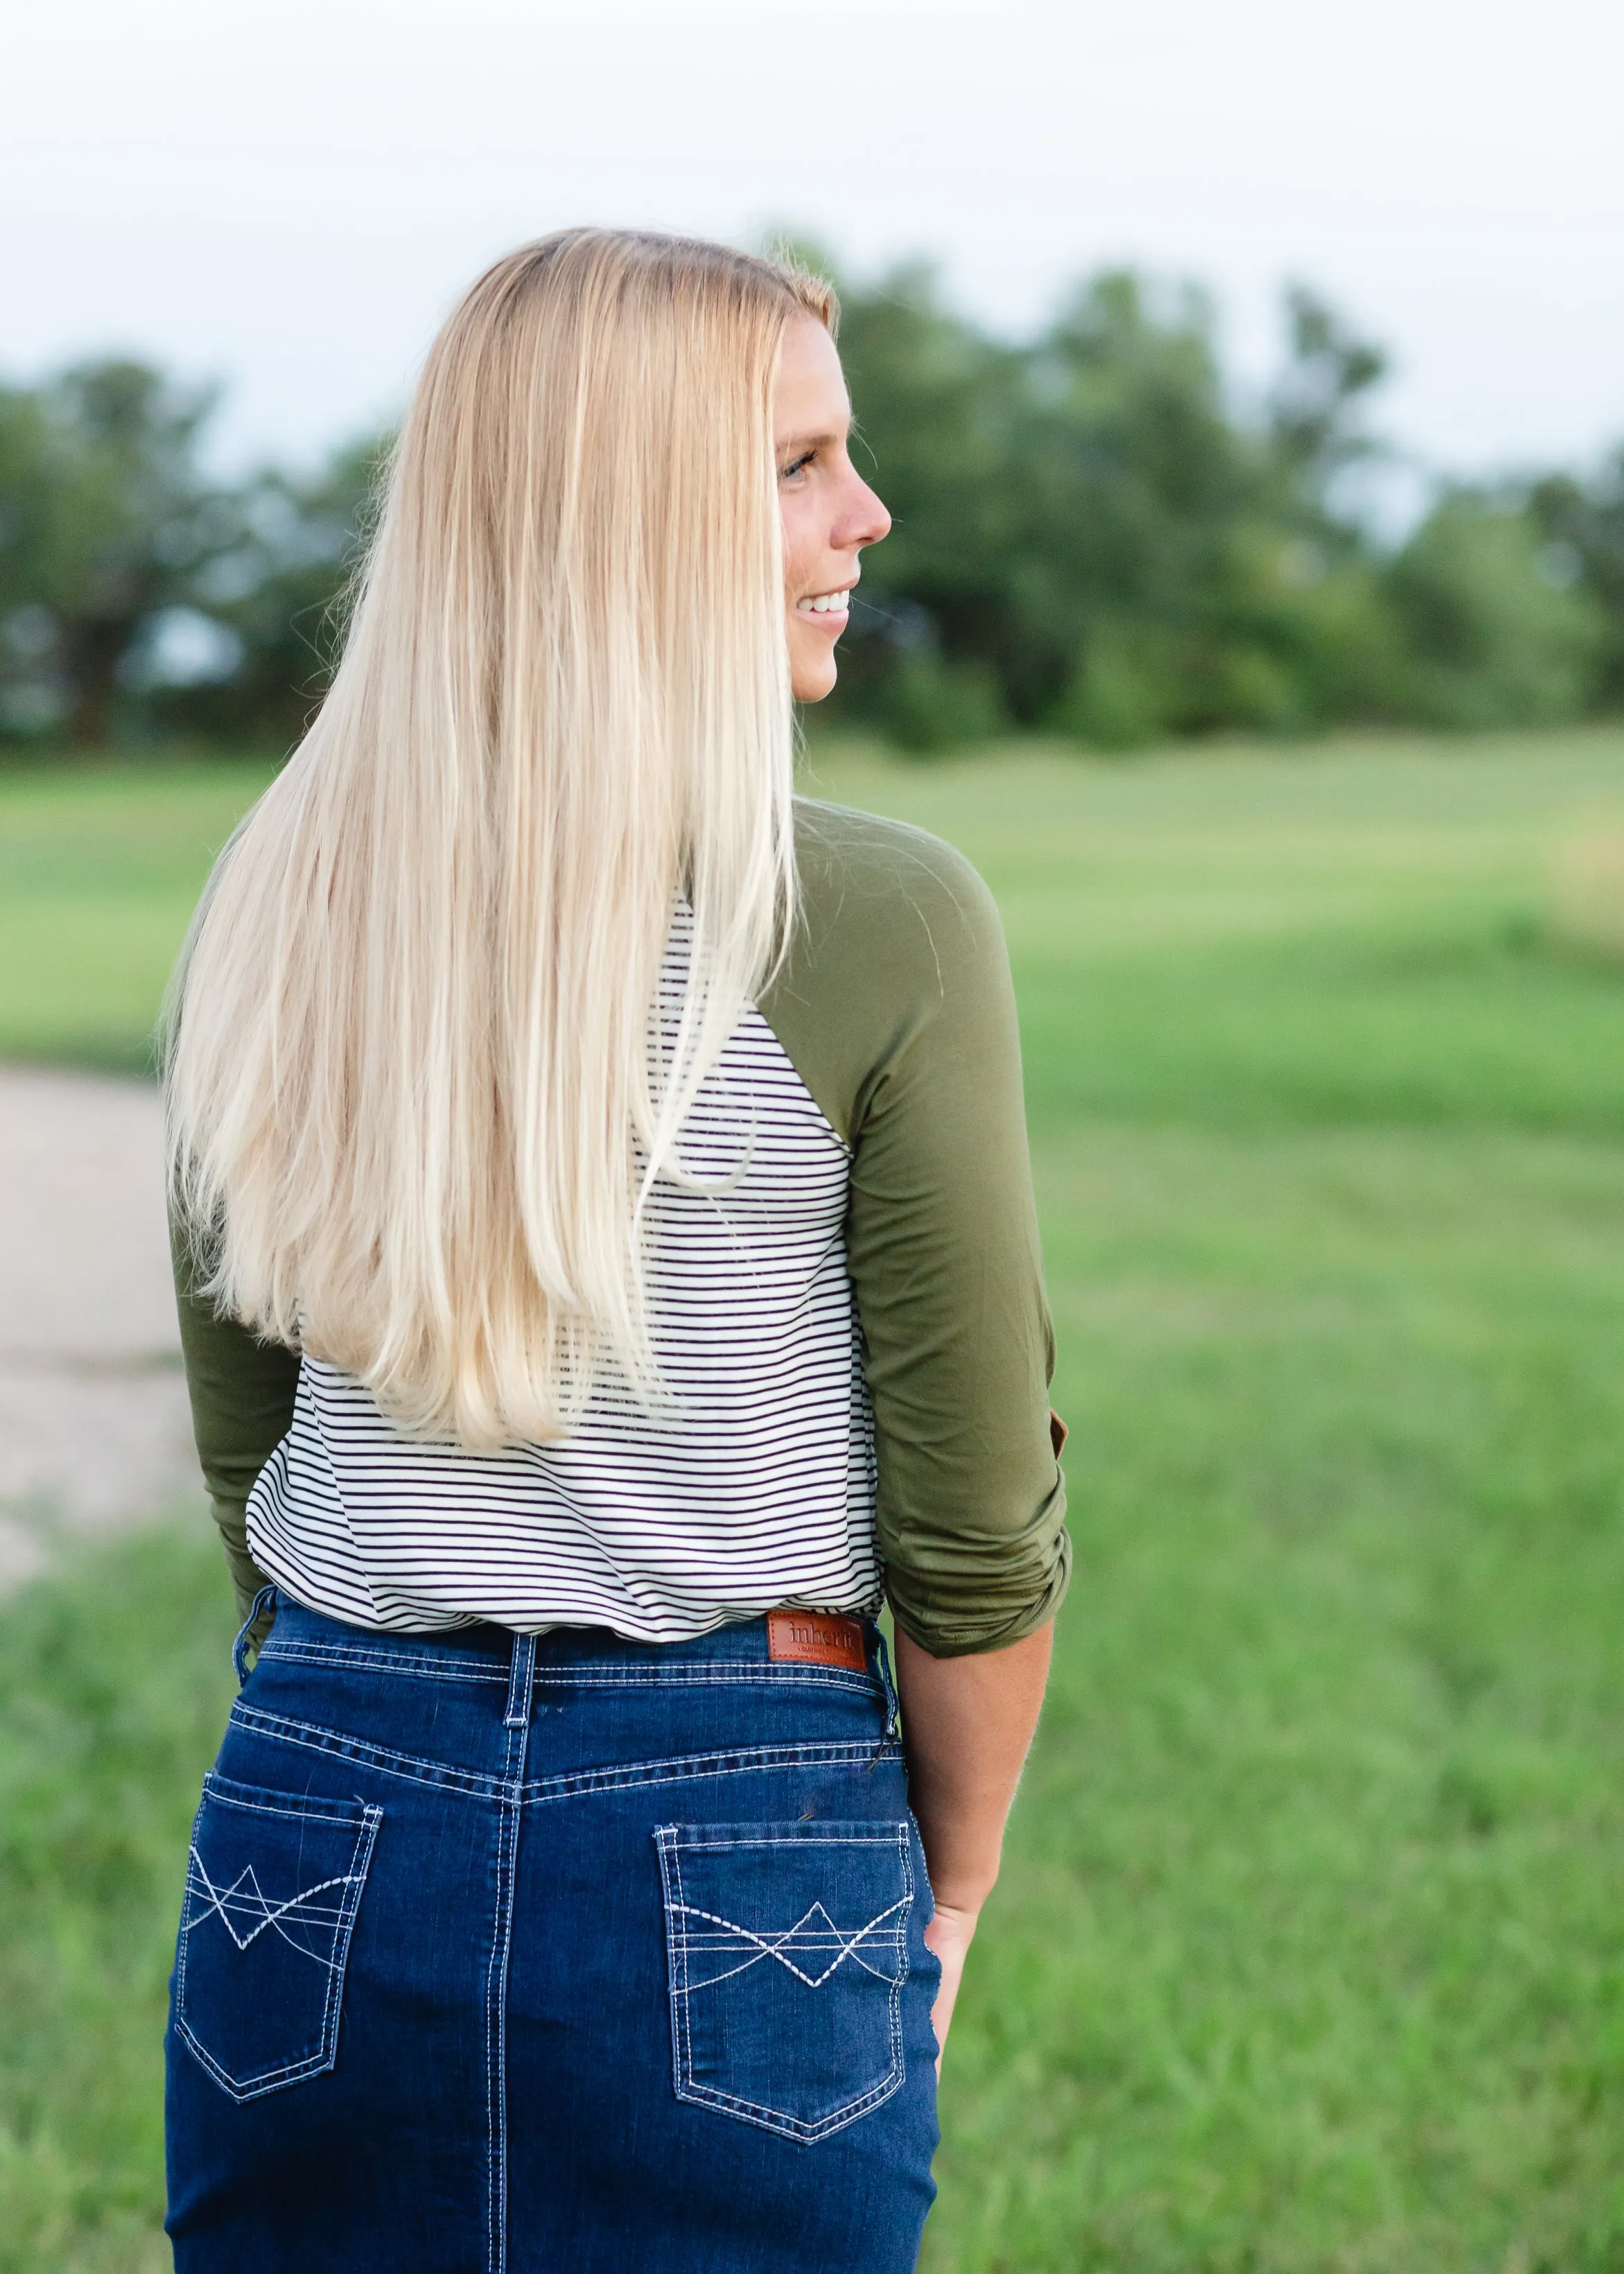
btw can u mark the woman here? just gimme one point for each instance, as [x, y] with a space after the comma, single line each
[607, 1265]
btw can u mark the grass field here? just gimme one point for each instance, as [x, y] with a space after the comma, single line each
[1309, 1953]
[99, 870]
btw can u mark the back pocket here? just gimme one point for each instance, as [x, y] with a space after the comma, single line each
[787, 1946]
[273, 1884]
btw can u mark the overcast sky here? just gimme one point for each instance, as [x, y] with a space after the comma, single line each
[289, 196]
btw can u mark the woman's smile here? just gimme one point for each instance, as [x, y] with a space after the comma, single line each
[832, 610]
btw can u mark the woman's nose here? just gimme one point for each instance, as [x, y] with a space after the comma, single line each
[866, 522]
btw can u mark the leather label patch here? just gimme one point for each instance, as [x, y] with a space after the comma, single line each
[816, 1639]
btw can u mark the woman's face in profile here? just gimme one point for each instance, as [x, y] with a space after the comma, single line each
[830, 512]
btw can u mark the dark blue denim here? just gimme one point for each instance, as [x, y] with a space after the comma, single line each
[501, 1953]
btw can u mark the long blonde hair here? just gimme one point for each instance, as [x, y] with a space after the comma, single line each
[414, 1105]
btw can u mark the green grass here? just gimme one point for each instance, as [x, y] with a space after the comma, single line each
[1309, 1953]
[100, 869]
[114, 1684]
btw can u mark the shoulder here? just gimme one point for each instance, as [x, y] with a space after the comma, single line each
[869, 885]
[895, 931]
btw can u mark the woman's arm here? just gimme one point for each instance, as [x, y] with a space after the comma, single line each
[242, 1393]
[967, 1723]
[898, 1011]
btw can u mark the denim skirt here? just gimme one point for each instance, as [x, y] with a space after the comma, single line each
[502, 1953]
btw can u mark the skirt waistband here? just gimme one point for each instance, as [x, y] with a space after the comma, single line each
[741, 1649]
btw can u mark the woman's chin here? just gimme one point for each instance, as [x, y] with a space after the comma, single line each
[810, 682]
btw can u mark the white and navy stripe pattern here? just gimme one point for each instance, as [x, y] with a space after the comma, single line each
[753, 1487]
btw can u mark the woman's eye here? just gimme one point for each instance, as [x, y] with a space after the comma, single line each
[795, 466]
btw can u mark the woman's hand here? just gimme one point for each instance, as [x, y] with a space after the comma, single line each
[948, 1936]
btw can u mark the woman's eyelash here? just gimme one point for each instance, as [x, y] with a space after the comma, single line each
[796, 464]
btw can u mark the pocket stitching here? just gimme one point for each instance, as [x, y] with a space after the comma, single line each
[749, 2111]
[360, 1864]
[767, 1948]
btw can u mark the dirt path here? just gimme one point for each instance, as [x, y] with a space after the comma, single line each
[94, 1427]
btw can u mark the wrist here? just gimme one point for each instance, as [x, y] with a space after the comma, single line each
[963, 1888]
[961, 1916]
[948, 1934]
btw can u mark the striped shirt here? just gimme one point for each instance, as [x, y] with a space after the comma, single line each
[750, 1485]
[852, 1330]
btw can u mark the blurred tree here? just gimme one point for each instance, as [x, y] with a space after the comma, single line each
[1305, 630]
[281, 591]
[22, 472]
[1314, 423]
[1583, 523]
[107, 523]
[26, 629]
[1138, 488]
[1088, 536]
[1494, 638]
[1091, 536]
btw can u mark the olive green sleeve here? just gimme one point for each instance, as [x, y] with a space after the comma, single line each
[898, 1011]
[242, 1407]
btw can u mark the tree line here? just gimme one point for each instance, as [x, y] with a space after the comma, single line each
[1093, 537]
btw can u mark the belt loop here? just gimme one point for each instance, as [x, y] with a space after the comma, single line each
[521, 1682]
[265, 1600]
[893, 1710]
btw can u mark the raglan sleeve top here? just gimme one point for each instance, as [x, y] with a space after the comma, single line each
[895, 1009]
